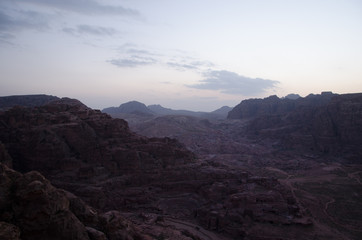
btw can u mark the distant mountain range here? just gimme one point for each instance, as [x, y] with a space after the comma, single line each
[138, 108]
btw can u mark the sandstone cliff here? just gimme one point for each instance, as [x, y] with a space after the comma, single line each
[273, 105]
[326, 124]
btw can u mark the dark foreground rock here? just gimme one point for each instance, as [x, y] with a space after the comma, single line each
[31, 208]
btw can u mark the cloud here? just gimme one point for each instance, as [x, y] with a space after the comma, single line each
[133, 49]
[22, 15]
[166, 82]
[90, 30]
[139, 52]
[88, 7]
[232, 83]
[203, 63]
[181, 66]
[133, 56]
[5, 38]
[22, 20]
[183, 63]
[134, 61]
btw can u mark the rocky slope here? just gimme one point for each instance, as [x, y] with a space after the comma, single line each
[31, 208]
[155, 182]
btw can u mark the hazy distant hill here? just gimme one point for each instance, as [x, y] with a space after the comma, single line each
[222, 111]
[25, 100]
[127, 109]
[168, 111]
[132, 107]
[292, 96]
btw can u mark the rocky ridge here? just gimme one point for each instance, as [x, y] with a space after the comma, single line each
[66, 136]
[320, 125]
[155, 182]
[25, 101]
[274, 105]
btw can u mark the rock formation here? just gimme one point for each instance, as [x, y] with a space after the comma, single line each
[276, 106]
[155, 182]
[31, 208]
[319, 125]
[67, 137]
[25, 101]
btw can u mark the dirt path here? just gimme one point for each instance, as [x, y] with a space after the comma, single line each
[335, 221]
[327, 205]
[289, 183]
[355, 176]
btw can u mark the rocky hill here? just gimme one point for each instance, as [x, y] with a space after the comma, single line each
[67, 136]
[132, 107]
[224, 110]
[277, 106]
[25, 100]
[156, 183]
[316, 125]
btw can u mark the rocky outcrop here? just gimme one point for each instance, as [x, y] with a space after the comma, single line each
[317, 125]
[255, 107]
[31, 208]
[25, 100]
[273, 105]
[5, 157]
[67, 140]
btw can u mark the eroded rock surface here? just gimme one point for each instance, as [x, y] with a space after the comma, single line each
[31, 208]
[156, 183]
[330, 128]
[25, 100]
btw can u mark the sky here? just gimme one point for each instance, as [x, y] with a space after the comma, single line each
[198, 55]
